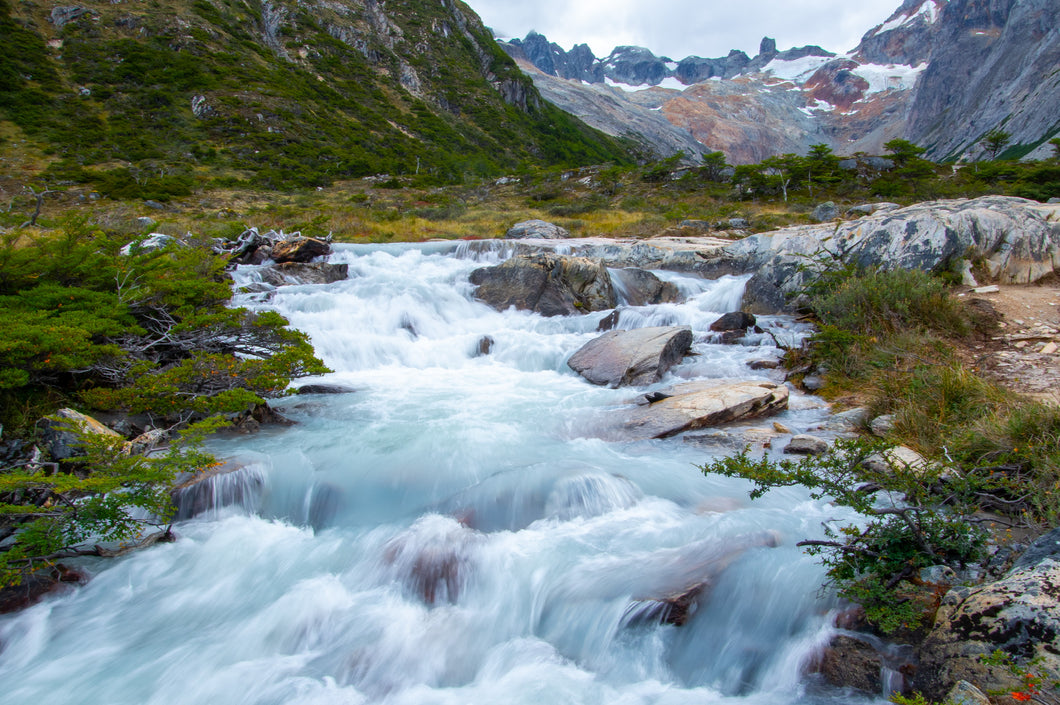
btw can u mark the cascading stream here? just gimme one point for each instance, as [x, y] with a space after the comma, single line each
[455, 530]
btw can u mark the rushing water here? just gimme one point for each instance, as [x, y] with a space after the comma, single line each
[457, 530]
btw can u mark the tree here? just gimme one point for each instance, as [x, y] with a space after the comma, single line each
[995, 141]
[903, 151]
[714, 166]
[1056, 147]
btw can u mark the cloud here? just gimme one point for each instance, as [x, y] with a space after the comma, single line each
[680, 28]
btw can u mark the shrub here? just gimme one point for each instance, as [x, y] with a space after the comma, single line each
[909, 528]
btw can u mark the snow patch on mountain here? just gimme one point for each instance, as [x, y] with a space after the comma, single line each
[929, 11]
[891, 77]
[797, 70]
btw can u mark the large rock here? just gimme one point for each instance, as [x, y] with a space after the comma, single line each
[640, 287]
[550, 284]
[299, 249]
[1010, 235]
[631, 357]
[60, 432]
[536, 229]
[693, 405]
[304, 273]
[1019, 614]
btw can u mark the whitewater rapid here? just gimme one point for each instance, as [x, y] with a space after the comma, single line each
[456, 530]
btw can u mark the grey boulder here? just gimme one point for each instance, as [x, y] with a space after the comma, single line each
[536, 229]
[631, 357]
[549, 284]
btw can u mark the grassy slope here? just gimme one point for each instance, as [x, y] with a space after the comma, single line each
[320, 98]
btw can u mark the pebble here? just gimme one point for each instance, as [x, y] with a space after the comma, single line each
[1049, 349]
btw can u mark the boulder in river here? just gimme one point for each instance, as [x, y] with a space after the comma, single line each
[642, 288]
[549, 284]
[734, 320]
[299, 249]
[286, 273]
[693, 405]
[631, 357]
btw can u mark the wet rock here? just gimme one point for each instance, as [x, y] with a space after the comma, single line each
[293, 273]
[325, 389]
[60, 441]
[485, 346]
[806, 445]
[764, 364]
[229, 484]
[642, 288]
[36, 586]
[608, 322]
[299, 249]
[549, 284]
[825, 212]
[734, 321]
[695, 405]
[852, 663]
[433, 557]
[1019, 614]
[631, 357]
[536, 229]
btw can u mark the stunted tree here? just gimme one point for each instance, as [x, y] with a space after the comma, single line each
[995, 141]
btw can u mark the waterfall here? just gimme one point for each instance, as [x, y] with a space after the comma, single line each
[455, 530]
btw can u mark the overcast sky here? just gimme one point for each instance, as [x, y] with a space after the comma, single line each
[680, 28]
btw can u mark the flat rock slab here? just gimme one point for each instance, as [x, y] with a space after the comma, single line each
[631, 357]
[693, 405]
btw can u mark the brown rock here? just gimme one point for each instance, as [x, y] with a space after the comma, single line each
[299, 249]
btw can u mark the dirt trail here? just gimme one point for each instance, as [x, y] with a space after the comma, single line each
[1024, 355]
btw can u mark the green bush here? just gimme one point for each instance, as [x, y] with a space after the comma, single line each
[875, 564]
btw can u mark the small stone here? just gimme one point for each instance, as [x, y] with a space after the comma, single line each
[154, 205]
[882, 425]
[1049, 349]
[1021, 344]
[780, 428]
[825, 211]
[992, 289]
[806, 445]
[764, 364]
[813, 383]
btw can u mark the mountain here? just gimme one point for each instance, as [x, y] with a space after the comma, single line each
[274, 92]
[940, 73]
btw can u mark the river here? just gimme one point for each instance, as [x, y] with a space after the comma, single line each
[457, 530]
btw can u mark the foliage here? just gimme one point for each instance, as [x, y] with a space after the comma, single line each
[105, 496]
[123, 88]
[146, 332]
[908, 528]
[1034, 686]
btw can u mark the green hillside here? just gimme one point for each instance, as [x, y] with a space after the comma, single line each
[146, 99]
